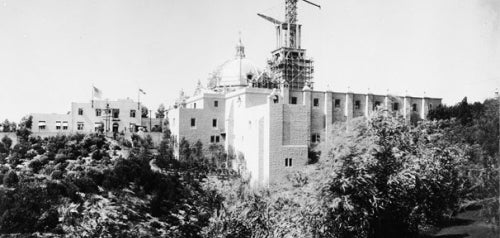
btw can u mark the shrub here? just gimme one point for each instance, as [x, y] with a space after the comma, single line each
[56, 174]
[10, 179]
[35, 165]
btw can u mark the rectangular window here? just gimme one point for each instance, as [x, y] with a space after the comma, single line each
[395, 106]
[214, 139]
[315, 138]
[80, 111]
[430, 106]
[98, 112]
[293, 100]
[288, 162]
[65, 125]
[42, 125]
[414, 107]
[357, 105]
[194, 105]
[214, 123]
[79, 126]
[58, 125]
[116, 113]
[193, 122]
[376, 104]
[337, 103]
[316, 102]
[216, 103]
[132, 113]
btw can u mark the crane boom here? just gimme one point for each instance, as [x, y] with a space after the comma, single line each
[277, 22]
[314, 4]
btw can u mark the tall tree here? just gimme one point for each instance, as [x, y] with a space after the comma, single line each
[160, 113]
[144, 112]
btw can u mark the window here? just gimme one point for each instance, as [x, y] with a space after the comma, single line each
[376, 104]
[214, 139]
[79, 126]
[414, 107]
[216, 103]
[132, 113]
[42, 125]
[395, 106]
[337, 103]
[293, 100]
[65, 125]
[58, 125]
[430, 106]
[80, 111]
[98, 112]
[288, 162]
[316, 102]
[315, 138]
[357, 104]
[194, 105]
[276, 99]
[214, 123]
[116, 113]
[193, 122]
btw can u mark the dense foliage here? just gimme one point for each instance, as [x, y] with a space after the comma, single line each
[382, 177]
[89, 186]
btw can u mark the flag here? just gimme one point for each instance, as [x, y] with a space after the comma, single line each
[142, 91]
[97, 93]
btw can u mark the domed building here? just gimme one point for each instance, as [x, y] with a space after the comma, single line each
[235, 73]
[270, 119]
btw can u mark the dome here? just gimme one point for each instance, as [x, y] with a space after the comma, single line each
[235, 72]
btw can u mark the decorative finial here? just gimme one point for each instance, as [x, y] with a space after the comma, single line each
[240, 49]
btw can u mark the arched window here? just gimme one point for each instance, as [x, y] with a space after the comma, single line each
[276, 99]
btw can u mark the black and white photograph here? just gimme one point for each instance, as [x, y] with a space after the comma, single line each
[238, 118]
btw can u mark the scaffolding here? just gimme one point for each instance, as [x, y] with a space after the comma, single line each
[291, 68]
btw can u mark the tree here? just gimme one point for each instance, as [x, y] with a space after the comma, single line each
[184, 150]
[388, 178]
[144, 112]
[6, 125]
[10, 179]
[160, 113]
[26, 122]
[7, 142]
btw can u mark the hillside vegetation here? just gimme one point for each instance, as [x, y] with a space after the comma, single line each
[374, 178]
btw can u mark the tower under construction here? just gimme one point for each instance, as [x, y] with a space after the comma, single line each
[289, 65]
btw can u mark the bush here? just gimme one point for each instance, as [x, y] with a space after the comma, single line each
[56, 174]
[10, 179]
[390, 178]
[35, 165]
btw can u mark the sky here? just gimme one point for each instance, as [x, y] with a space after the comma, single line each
[53, 51]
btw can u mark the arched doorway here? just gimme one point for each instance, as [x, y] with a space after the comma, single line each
[115, 127]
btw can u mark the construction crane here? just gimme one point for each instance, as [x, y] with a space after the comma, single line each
[289, 65]
[288, 31]
[290, 12]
